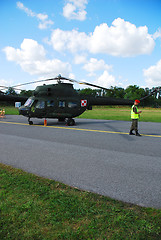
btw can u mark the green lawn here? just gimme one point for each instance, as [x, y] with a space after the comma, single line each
[110, 113]
[37, 208]
[122, 113]
[10, 110]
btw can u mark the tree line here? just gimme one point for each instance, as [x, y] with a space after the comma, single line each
[131, 92]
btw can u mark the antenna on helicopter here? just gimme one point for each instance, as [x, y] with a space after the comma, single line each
[59, 77]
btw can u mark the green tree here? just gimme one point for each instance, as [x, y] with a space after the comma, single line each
[11, 91]
[116, 92]
[134, 92]
[27, 93]
[89, 91]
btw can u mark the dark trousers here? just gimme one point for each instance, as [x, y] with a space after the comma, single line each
[134, 125]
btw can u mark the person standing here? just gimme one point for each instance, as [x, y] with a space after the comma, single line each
[135, 116]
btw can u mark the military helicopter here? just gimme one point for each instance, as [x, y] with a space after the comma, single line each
[62, 101]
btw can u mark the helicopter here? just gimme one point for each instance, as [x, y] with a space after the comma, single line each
[61, 101]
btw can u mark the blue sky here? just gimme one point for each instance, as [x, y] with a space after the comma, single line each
[105, 42]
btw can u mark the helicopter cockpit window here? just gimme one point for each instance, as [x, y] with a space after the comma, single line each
[61, 104]
[50, 103]
[29, 102]
[40, 104]
[72, 104]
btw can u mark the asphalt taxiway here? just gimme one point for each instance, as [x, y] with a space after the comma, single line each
[95, 155]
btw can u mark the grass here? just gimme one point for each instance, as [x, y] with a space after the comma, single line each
[122, 113]
[110, 113]
[36, 208]
[10, 110]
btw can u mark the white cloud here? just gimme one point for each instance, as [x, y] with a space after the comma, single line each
[106, 80]
[5, 83]
[157, 34]
[26, 10]
[45, 24]
[153, 75]
[29, 50]
[42, 18]
[32, 58]
[121, 39]
[79, 59]
[75, 9]
[72, 41]
[96, 65]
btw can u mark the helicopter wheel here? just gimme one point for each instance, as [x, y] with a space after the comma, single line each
[70, 122]
[30, 122]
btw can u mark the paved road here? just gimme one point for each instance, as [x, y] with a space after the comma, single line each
[94, 155]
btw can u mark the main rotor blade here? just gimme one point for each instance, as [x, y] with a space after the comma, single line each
[4, 87]
[93, 85]
[88, 84]
[45, 80]
[58, 78]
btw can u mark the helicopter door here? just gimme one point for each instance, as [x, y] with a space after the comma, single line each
[40, 109]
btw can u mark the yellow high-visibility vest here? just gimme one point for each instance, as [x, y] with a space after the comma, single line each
[133, 114]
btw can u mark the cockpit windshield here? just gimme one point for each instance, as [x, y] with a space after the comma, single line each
[29, 102]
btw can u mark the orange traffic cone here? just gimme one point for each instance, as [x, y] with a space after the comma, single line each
[45, 122]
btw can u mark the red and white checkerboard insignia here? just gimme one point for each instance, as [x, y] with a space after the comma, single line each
[83, 103]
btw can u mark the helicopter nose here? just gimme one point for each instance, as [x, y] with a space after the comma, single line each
[23, 111]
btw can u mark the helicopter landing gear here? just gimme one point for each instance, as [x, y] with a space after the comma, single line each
[70, 122]
[61, 119]
[30, 122]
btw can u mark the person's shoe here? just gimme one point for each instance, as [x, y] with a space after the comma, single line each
[131, 133]
[138, 134]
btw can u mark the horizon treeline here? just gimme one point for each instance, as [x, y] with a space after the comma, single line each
[131, 92]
